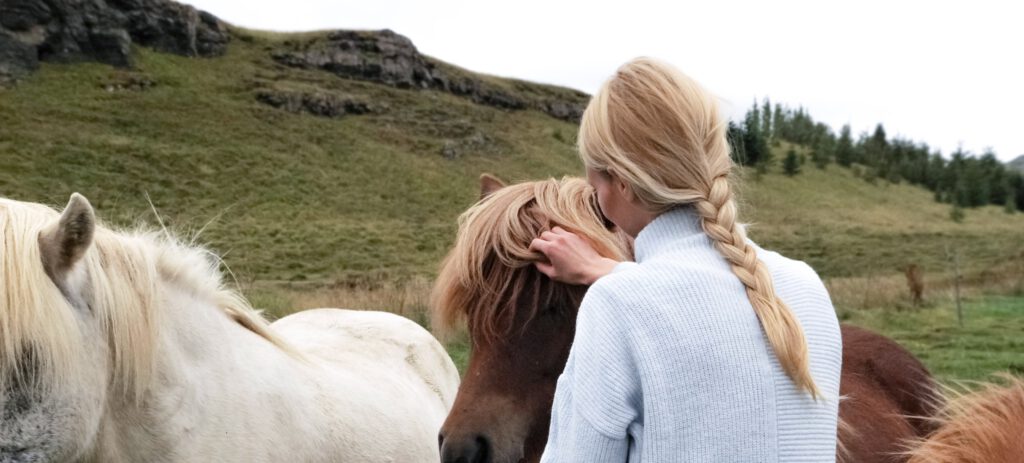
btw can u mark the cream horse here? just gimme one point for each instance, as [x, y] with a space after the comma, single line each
[125, 347]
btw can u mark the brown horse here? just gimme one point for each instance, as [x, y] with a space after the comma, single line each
[522, 324]
[915, 282]
[986, 426]
[888, 397]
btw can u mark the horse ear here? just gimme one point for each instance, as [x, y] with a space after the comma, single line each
[64, 242]
[489, 184]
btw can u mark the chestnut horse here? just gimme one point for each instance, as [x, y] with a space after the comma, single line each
[522, 324]
[986, 426]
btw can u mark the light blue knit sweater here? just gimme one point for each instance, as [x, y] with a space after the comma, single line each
[670, 363]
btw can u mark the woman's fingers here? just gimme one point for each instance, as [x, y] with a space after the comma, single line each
[569, 258]
[543, 246]
[540, 245]
[545, 268]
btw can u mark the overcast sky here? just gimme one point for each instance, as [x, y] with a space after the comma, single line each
[945, 73]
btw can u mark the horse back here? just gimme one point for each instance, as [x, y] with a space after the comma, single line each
[888, 396]
[374, 344]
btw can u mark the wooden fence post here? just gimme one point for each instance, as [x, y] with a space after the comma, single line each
[954, 258]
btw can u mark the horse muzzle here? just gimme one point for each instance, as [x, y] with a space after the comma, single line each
[466, 449]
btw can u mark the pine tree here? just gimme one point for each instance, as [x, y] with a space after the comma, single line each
[735, 136]
[766, 120]
[876, 149]
[824, 147]
[819, 159]
[844, 147]
[1016, 183]
[995, 175]
[935, 172]
[791, 165]
[778, 121]
[755, 146]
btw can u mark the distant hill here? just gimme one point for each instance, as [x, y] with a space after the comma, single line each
[346, 156]
[1017, 163]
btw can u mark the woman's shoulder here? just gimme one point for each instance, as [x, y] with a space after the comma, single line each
[786, 270]
[648, 285]
[783, 267]
[618, 294]
[630, 279]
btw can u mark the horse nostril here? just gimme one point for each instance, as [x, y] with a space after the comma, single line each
[465, 450]
[483, 450]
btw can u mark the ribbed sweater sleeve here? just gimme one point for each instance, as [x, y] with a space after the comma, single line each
[598, 394]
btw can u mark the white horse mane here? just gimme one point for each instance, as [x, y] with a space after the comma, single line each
[121, 275]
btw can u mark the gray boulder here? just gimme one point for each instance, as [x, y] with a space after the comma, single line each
[315, 103]
[173, 27]
[384, 57]
[97, 30]
[17, 58]
[391, 59]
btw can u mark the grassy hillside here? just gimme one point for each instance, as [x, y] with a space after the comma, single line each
[311, 200]
[288, 197]
[845, 226]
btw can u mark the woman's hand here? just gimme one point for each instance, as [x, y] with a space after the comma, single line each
[571, 259]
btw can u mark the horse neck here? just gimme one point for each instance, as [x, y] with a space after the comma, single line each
[213, 378]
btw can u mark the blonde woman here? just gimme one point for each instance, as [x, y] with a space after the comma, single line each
[707, 348]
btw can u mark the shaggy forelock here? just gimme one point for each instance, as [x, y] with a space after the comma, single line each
[490, 270]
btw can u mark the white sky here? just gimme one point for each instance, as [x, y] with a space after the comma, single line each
[945, 73]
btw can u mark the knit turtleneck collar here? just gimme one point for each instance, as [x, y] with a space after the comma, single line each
[672, 226]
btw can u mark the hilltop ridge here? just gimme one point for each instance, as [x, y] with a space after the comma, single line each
[1017, 163]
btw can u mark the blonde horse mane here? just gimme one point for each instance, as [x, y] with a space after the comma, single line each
[485, 274]
[986, 426]
[39, 330]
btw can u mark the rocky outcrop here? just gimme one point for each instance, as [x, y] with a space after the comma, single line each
[383, 57]
[173, 27]
[101, 30]
[123, 80]
[315, 103]
[565, 110]
[16, 58]
[477, 142]
[391, 59]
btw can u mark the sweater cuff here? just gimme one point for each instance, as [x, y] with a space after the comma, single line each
[586, 445]
[600, 447]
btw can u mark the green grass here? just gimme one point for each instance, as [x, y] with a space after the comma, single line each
[990, 340]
